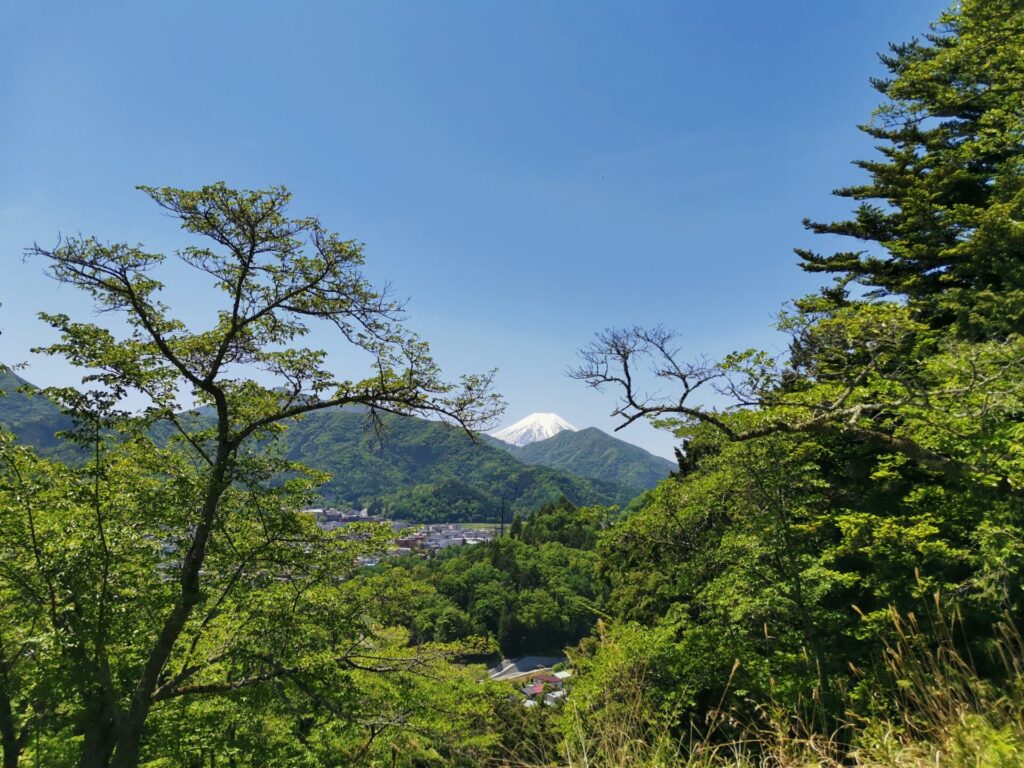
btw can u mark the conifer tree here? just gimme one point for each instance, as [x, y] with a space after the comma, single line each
[942, 215]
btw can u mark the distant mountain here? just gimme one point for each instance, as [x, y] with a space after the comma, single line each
[536, 426]
[30, 416]
[422, 470]
[597, 455]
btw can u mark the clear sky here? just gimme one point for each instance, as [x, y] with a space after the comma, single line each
[526, 173]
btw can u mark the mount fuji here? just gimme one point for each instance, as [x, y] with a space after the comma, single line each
[548, 440]
[535, 427]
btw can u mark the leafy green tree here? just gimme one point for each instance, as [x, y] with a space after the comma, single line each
[237, 554]
[29, 689]
[788, 554]
[564, 523]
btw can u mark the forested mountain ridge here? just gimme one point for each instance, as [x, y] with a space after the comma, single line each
[424, 470]
[29, 415]
[594, 454]
[413, 469]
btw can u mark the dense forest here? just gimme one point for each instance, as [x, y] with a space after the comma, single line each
[534, 591]
[833, 575]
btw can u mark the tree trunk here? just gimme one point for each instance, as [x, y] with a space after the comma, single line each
[8, 734]
[99, 732]
[8, 737]
[129, 738]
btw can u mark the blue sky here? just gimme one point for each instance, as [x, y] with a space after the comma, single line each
[526, 173]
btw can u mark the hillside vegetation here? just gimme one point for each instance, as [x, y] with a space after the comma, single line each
[833, 575]
[30, 416]
[426, 471]
[594, 454]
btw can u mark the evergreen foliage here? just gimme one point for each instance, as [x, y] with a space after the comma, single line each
[939, 219]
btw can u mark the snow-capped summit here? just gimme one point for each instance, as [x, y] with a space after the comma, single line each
[536, 426]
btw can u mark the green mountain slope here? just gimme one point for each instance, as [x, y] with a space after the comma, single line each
[595, 455]
[423, 470]
[418, 470]
[32, 418]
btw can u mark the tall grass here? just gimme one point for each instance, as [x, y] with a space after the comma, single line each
[935, 710]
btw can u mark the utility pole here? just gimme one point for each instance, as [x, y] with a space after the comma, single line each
[501, 534]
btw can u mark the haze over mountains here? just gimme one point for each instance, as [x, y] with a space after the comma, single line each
[420, 470]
